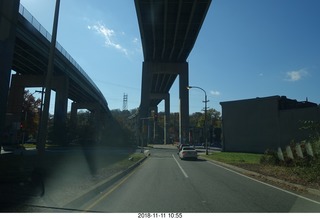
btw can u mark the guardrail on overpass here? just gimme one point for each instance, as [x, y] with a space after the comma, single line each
[29, 17]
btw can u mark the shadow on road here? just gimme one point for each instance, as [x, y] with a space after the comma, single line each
[194, 160]
[59, 173]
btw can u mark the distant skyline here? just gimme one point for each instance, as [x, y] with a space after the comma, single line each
[245, 49]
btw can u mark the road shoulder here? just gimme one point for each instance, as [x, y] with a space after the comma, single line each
[292, 187]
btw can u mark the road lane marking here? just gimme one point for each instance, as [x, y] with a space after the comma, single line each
[182, 170]
[112, 189]
[283, 190]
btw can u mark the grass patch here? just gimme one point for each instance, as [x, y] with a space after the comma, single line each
[34, 146]
[308, 175]
[27, 145]
[235, 158]
[129, 160]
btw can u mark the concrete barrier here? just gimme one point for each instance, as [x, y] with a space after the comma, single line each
[147, 153]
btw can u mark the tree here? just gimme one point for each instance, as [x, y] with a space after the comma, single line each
[30, 114]
[196, 122]
[174, 127]
[123, 130]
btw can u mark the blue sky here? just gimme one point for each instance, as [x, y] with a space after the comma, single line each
[245, 49]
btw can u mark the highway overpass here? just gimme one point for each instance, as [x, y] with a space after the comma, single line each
[168, 29]
[24, 48]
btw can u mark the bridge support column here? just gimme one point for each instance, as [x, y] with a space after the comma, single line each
[184, 104]
[73, 116]
[18, 84]
[9, 11]
[16, 93]
[97, 123]
[60, 110]
[16, 97]
[154, 121]
[14, 109]
[166, 118]
[97, 116]
[74, 119]
[144, 105]
[166, 98]
[181, 69]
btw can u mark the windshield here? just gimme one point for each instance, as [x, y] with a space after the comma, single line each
[98, 98]
[188, 149]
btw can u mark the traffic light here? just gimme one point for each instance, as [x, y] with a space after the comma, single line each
[155, 117]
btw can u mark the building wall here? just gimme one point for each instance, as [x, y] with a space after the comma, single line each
[291, 122]
[255, 125]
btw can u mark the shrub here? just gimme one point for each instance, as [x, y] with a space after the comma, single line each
[270, 157]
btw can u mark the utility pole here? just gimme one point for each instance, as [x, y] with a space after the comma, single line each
[205, 116]
[45, 113]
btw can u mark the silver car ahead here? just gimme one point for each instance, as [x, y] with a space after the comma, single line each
[188, 153]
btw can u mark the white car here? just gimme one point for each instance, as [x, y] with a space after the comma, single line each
[188, 153]
[180, 146]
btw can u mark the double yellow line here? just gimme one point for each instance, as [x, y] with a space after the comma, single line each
[105, 195]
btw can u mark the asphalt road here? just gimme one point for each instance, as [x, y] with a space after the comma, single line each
[65, 173]
[164, 183]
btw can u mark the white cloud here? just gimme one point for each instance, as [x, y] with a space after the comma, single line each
[135, 40]
[108, 35]
[215, 93]
[296, 75]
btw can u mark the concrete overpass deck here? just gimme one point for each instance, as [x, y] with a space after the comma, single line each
[24, 48]
[168, 29]
[31, 54]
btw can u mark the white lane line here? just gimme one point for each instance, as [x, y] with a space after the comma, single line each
[283, 190]
[182, 170]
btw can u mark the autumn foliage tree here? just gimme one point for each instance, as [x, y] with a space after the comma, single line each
[30, 114]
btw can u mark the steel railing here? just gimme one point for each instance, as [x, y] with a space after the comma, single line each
[29, 17]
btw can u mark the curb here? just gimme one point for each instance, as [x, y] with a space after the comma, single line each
[101, 186]
[251, 173]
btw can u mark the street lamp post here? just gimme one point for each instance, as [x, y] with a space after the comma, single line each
[205, 115]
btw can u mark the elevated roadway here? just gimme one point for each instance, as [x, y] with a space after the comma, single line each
[168, 29]
[24, 48]
[31, 54]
